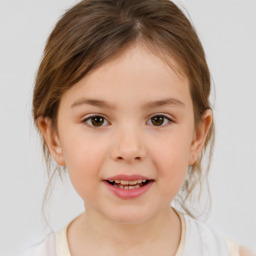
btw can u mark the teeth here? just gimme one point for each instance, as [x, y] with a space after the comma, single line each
[129, 182]
[126, 184]
[133, 187]
[133, 182]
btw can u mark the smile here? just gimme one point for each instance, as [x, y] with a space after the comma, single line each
[126, 184]
[128, 187]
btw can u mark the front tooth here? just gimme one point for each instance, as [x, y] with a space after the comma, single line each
[133, 187]
[124, 182]
[133, 182]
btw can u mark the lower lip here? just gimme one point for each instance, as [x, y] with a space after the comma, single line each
[129, 193]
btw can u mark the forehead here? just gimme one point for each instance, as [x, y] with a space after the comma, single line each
[137, 73]
[149, 54]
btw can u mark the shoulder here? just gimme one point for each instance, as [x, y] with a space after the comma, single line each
[44, 248]
[243, 251]
[205, 240]
[208, 241]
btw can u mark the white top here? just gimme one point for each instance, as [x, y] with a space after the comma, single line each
[196, 239]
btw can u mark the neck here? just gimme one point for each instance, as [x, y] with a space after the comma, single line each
[160, 230]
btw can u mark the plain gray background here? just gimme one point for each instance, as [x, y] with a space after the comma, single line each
[227, 29]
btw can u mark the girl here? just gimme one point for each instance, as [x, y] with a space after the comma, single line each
[122, 102]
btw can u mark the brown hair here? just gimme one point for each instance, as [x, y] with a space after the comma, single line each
[93, 31]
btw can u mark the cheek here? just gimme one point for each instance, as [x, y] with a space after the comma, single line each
[173, 168]
[171, 160]
[83, 158]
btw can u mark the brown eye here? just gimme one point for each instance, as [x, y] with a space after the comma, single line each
[96, 121]
[159, 120]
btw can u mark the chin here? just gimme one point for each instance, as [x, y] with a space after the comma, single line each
[126, 216]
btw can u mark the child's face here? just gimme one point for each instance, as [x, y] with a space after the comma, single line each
[127, 93]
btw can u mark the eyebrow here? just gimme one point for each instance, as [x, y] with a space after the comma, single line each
[105, 104]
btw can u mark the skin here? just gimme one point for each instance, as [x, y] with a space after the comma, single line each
[128, 142]
[244, 251]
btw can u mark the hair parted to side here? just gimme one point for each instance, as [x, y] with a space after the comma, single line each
[93, 31]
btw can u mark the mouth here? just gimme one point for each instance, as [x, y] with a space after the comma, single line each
[126, 184]
[129, 186]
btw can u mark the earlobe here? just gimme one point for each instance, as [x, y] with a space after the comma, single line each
[51, 139]
[200, 135]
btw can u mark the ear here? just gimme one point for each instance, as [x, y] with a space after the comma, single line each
[200, 135]
[51, 139]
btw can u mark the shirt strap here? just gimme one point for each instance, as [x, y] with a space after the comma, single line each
[233, 247]
[183, 233]
[62, 248]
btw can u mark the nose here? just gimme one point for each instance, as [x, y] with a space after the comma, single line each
[128, 146]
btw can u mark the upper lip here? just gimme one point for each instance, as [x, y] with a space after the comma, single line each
[128, 177]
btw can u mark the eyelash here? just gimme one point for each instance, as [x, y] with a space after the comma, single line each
[87, 119]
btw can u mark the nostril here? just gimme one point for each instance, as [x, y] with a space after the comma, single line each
[123, 158]
[127, 154]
